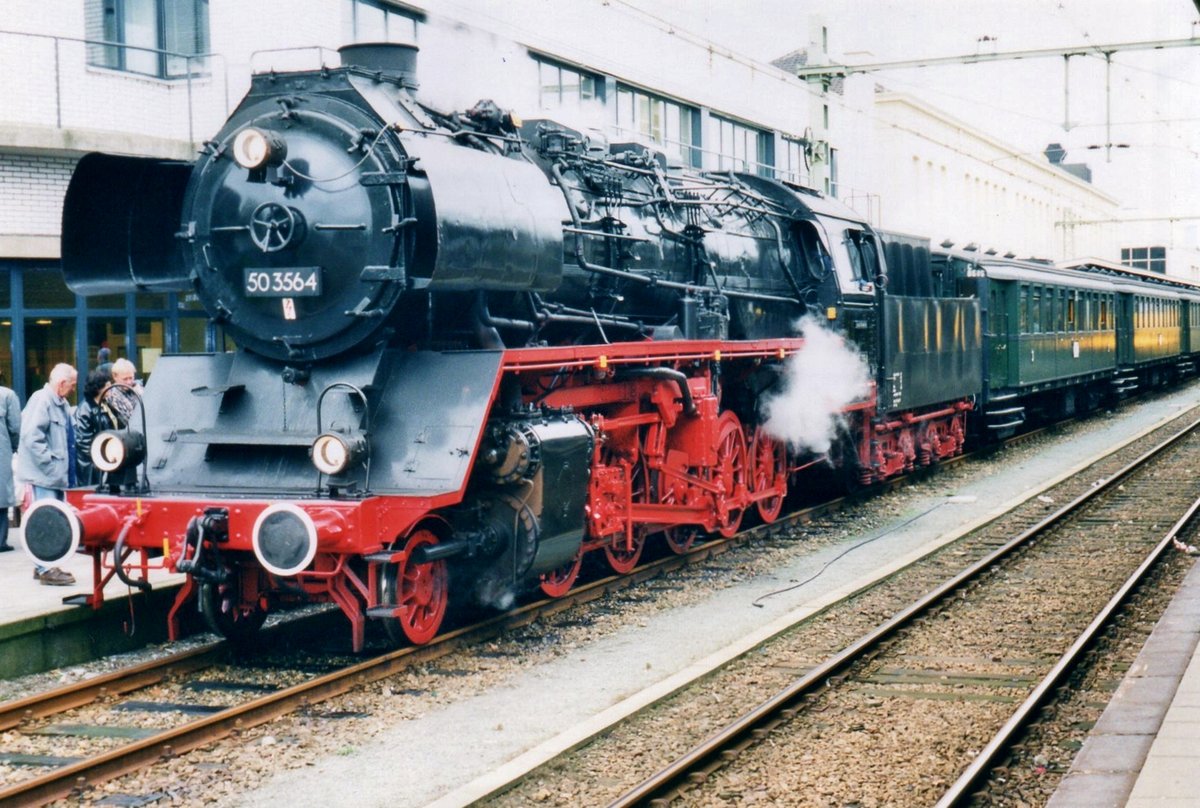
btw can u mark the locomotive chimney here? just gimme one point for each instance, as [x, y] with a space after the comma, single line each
[392, 59]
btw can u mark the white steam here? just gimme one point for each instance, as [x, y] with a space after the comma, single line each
[819, 380]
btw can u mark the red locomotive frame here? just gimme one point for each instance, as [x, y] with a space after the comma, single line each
[659, 465]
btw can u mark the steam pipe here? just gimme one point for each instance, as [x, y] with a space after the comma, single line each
[558, 313]
[427, 554]
[485, 326]
[485, 316]
[668, 374]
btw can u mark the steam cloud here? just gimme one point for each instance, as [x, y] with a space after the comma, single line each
[819, 380]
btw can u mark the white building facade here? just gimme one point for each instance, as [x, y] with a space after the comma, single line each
[156, 77]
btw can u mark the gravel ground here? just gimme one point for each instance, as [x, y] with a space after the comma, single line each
[350, 727]
[1039, 761]
[906, 739]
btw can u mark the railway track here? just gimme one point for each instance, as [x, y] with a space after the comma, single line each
[113, 692]
[33, 713]
[876, 673]
[618, 758]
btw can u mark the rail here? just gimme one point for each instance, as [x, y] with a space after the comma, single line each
[64, 781]
[696, 764]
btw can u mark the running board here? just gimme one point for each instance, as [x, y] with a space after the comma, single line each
[1125, 385]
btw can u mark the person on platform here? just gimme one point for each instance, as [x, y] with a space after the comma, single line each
[10, 434]
[93, 416]
[45, 454]
[124, 399]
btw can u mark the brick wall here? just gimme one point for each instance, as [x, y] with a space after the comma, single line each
[31, 193]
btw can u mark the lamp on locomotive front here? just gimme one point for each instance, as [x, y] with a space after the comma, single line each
[333, 453]
[255, 149]
[116, 450]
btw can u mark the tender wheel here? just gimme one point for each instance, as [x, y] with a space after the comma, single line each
[768, 459]
[226, 614]
[420, 590]
[731, 468]
[557, 583]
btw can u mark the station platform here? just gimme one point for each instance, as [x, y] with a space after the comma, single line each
[1144, 752]
[38, 631]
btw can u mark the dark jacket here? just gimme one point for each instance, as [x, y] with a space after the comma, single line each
[90, 420]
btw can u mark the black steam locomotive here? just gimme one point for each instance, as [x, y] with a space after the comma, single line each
[474, 349]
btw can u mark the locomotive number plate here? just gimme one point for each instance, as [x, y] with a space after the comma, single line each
[289, 282]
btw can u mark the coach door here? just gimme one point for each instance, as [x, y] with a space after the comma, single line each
[998, 319]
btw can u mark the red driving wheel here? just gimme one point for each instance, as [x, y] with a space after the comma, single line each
[557, 583]
[421, 591]
[623, 552]
[768, 458]
[731, 469]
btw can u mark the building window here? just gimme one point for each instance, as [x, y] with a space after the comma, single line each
[791, 165]
[565, 88]
[738, 147]
[669, 124]
[1152, 259]
[151, 37]
[370, 21]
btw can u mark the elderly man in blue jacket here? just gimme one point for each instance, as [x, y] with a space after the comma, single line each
[44, 455]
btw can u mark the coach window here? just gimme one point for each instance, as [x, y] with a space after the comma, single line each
[1035, 311]
[141, 29]
[1071, 298]
[1023, 325]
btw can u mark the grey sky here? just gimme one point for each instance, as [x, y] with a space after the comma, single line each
[1154, 93]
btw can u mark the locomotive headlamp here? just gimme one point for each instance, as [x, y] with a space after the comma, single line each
[115, 450]
[333, 453]
[255, 148]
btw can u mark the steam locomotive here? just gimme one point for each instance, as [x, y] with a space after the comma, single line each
[473, 350]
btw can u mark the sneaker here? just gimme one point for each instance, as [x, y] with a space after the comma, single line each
[55, 577]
